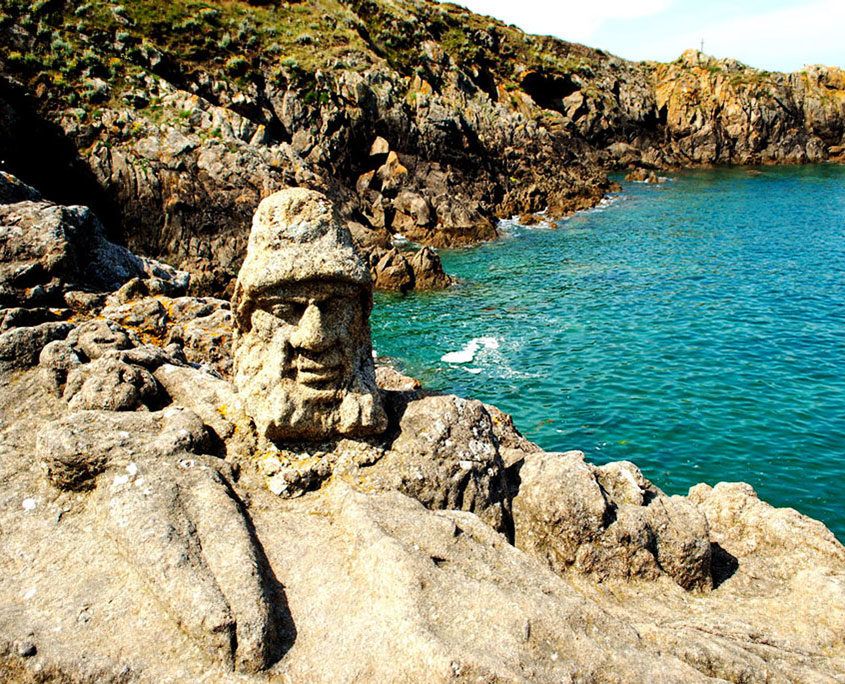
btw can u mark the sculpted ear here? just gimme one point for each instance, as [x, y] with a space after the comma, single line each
[242, 308]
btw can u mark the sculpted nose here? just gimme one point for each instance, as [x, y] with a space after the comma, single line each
[310, 333]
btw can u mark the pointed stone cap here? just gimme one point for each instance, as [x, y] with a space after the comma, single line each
[297, 236]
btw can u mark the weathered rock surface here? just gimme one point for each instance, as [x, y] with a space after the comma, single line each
[159, 562]
[175, 519]
[392, 271]
[303, 355]
[446, 456]
[48, 250]
[391, 589]
[21, 347]
[723, 112]
[608, 521]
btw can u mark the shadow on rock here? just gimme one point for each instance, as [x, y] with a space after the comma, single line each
[281, 631]
[723, 564]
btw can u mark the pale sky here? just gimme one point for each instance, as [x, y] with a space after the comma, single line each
[778, 35]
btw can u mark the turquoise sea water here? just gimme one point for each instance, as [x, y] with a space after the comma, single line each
[696, 328]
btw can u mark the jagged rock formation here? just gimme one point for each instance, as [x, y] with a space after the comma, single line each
[151, 533]
[49, 250]
[418, 119]
[723, 112]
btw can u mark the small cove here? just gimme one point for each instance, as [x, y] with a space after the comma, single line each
[696, 328]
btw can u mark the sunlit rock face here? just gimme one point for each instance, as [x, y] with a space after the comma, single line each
[302, 352]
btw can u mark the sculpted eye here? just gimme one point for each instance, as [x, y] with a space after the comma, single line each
[288, 311]
[335, 305]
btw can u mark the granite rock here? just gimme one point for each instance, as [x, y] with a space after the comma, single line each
[50, 249]
[608, 521]
[302, 353]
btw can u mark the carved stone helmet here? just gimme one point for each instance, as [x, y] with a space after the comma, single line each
[296, 237]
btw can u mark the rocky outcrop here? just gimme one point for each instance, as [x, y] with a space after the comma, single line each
[49, 250]
[608, 521]
[417, 119]
[179, 153]
[392, 588]
[719, 111]
[153, 533]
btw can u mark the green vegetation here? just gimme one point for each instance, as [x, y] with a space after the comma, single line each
[102, 52]
[98, 51]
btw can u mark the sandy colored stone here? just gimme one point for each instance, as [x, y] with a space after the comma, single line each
[302, 353]
[391, 174]
[391, 589]
[175, 520]
[608, 521]
[49, 248]
[111, 385]
[380, 147]
[21, 347]
[445, 456]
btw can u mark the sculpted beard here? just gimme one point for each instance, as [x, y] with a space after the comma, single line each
[294, 392]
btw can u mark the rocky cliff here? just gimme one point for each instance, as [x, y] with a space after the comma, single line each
[172, 120]
[152, 533]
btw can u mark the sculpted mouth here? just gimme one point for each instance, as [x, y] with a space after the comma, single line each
[312, 372]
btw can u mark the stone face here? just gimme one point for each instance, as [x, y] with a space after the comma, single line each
[208, 340]
[296, 236]
[167, 545]
[302, 352]
[169, 567]
[213, 399]
[97, 337]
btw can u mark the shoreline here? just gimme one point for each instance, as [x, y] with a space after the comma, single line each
[488, 314]
[145, 514]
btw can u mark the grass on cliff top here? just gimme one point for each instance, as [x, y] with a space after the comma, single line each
[98, 53]
[67, 48]
[397, 31]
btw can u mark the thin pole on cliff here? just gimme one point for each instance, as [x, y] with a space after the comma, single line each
[702, 45]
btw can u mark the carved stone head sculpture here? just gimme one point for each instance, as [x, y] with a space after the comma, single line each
[302, 348]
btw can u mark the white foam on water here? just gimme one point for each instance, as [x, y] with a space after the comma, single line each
[508, 228]
[469, 351]
[603, 204]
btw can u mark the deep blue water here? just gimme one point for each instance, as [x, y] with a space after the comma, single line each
[696, 328]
